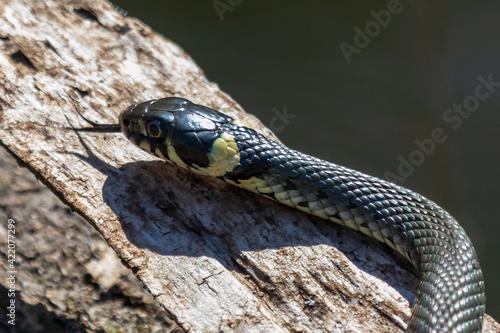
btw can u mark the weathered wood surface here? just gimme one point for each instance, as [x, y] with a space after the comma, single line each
[216, 257]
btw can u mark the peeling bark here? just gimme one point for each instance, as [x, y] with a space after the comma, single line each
[215, 257]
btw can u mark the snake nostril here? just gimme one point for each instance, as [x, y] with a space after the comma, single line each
[126, 122]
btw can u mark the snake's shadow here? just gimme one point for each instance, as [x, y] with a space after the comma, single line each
[172, 212]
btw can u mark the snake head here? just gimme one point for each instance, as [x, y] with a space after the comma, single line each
[176, 130]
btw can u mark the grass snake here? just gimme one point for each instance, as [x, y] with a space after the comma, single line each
[450, 296]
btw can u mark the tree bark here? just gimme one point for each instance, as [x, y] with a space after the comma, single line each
[215, 257]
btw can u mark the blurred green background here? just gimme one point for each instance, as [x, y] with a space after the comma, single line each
[367, 113]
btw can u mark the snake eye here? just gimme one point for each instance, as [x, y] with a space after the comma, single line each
[156, 129]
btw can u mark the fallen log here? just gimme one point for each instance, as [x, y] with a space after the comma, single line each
[215, 257]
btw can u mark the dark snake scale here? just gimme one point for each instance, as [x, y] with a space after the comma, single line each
[450, 296]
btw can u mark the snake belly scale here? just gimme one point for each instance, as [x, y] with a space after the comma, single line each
[450, 295]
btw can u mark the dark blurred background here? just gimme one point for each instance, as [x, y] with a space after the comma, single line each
[361, 91]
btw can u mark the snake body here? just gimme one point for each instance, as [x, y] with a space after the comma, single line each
[450, 295]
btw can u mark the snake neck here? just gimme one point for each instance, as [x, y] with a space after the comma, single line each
[412, 225]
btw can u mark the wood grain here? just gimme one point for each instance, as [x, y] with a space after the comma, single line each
[215, 257]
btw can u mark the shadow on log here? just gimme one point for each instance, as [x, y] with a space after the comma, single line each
[215, 257]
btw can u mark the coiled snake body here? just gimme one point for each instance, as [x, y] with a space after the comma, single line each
[450, 296]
